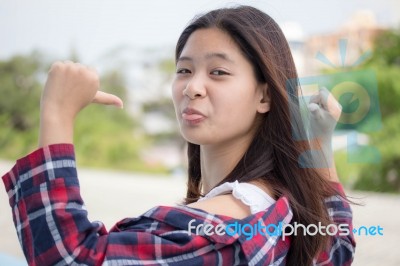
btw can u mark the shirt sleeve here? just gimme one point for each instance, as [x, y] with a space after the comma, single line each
[53, 228]
[342, 244]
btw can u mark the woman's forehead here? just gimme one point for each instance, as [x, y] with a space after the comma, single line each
[210, 43]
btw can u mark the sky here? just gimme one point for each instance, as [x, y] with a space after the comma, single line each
[95, 27]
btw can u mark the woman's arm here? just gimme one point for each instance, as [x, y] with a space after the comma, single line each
[69, 88]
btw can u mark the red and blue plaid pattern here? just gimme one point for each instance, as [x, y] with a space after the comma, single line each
[52, 225]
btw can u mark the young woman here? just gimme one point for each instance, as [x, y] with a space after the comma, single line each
[251, 175]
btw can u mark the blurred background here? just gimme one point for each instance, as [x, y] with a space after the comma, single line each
[135, 156]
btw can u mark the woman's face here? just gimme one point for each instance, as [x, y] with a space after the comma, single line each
[215, 92]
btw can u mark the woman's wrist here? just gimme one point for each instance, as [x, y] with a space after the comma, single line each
[55, 129]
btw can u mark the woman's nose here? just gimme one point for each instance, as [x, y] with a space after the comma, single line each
[195, 88]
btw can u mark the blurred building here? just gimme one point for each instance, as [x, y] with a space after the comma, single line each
[358, 34]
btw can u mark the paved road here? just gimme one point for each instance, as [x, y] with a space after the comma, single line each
[111, 196]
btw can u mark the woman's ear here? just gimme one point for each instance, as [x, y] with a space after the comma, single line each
[265, 100]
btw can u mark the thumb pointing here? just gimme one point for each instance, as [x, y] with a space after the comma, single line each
[107, 99]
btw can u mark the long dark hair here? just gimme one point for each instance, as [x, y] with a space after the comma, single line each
[274, 154]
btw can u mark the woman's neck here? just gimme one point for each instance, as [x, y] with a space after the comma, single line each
[217, 161]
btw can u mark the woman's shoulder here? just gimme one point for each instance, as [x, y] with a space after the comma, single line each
[242, 200]
[226, 205]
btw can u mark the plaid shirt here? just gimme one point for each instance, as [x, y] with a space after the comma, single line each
[53, 228]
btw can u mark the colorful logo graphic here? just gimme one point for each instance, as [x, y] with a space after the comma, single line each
[357, 93]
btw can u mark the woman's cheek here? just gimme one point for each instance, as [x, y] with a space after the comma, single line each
[176, 94]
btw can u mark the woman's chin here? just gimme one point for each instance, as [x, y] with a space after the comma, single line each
[196, 139]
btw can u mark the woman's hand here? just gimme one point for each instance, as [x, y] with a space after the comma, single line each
[69, 88]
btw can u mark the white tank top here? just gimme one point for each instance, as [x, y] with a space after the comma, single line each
[249, 194]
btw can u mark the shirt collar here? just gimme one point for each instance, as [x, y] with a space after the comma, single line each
[185, 218]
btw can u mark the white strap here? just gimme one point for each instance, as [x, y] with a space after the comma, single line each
[251, 195]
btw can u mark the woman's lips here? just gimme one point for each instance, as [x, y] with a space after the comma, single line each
[192, 116]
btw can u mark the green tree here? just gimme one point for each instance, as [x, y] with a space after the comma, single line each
[20, 96]
[385, 175]
[104, 136]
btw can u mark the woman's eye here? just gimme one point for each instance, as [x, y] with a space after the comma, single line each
[183, 71]
[219, 72]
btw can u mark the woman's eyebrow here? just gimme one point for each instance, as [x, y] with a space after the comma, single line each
[208, 56]
[184, 58]
[222, 56]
